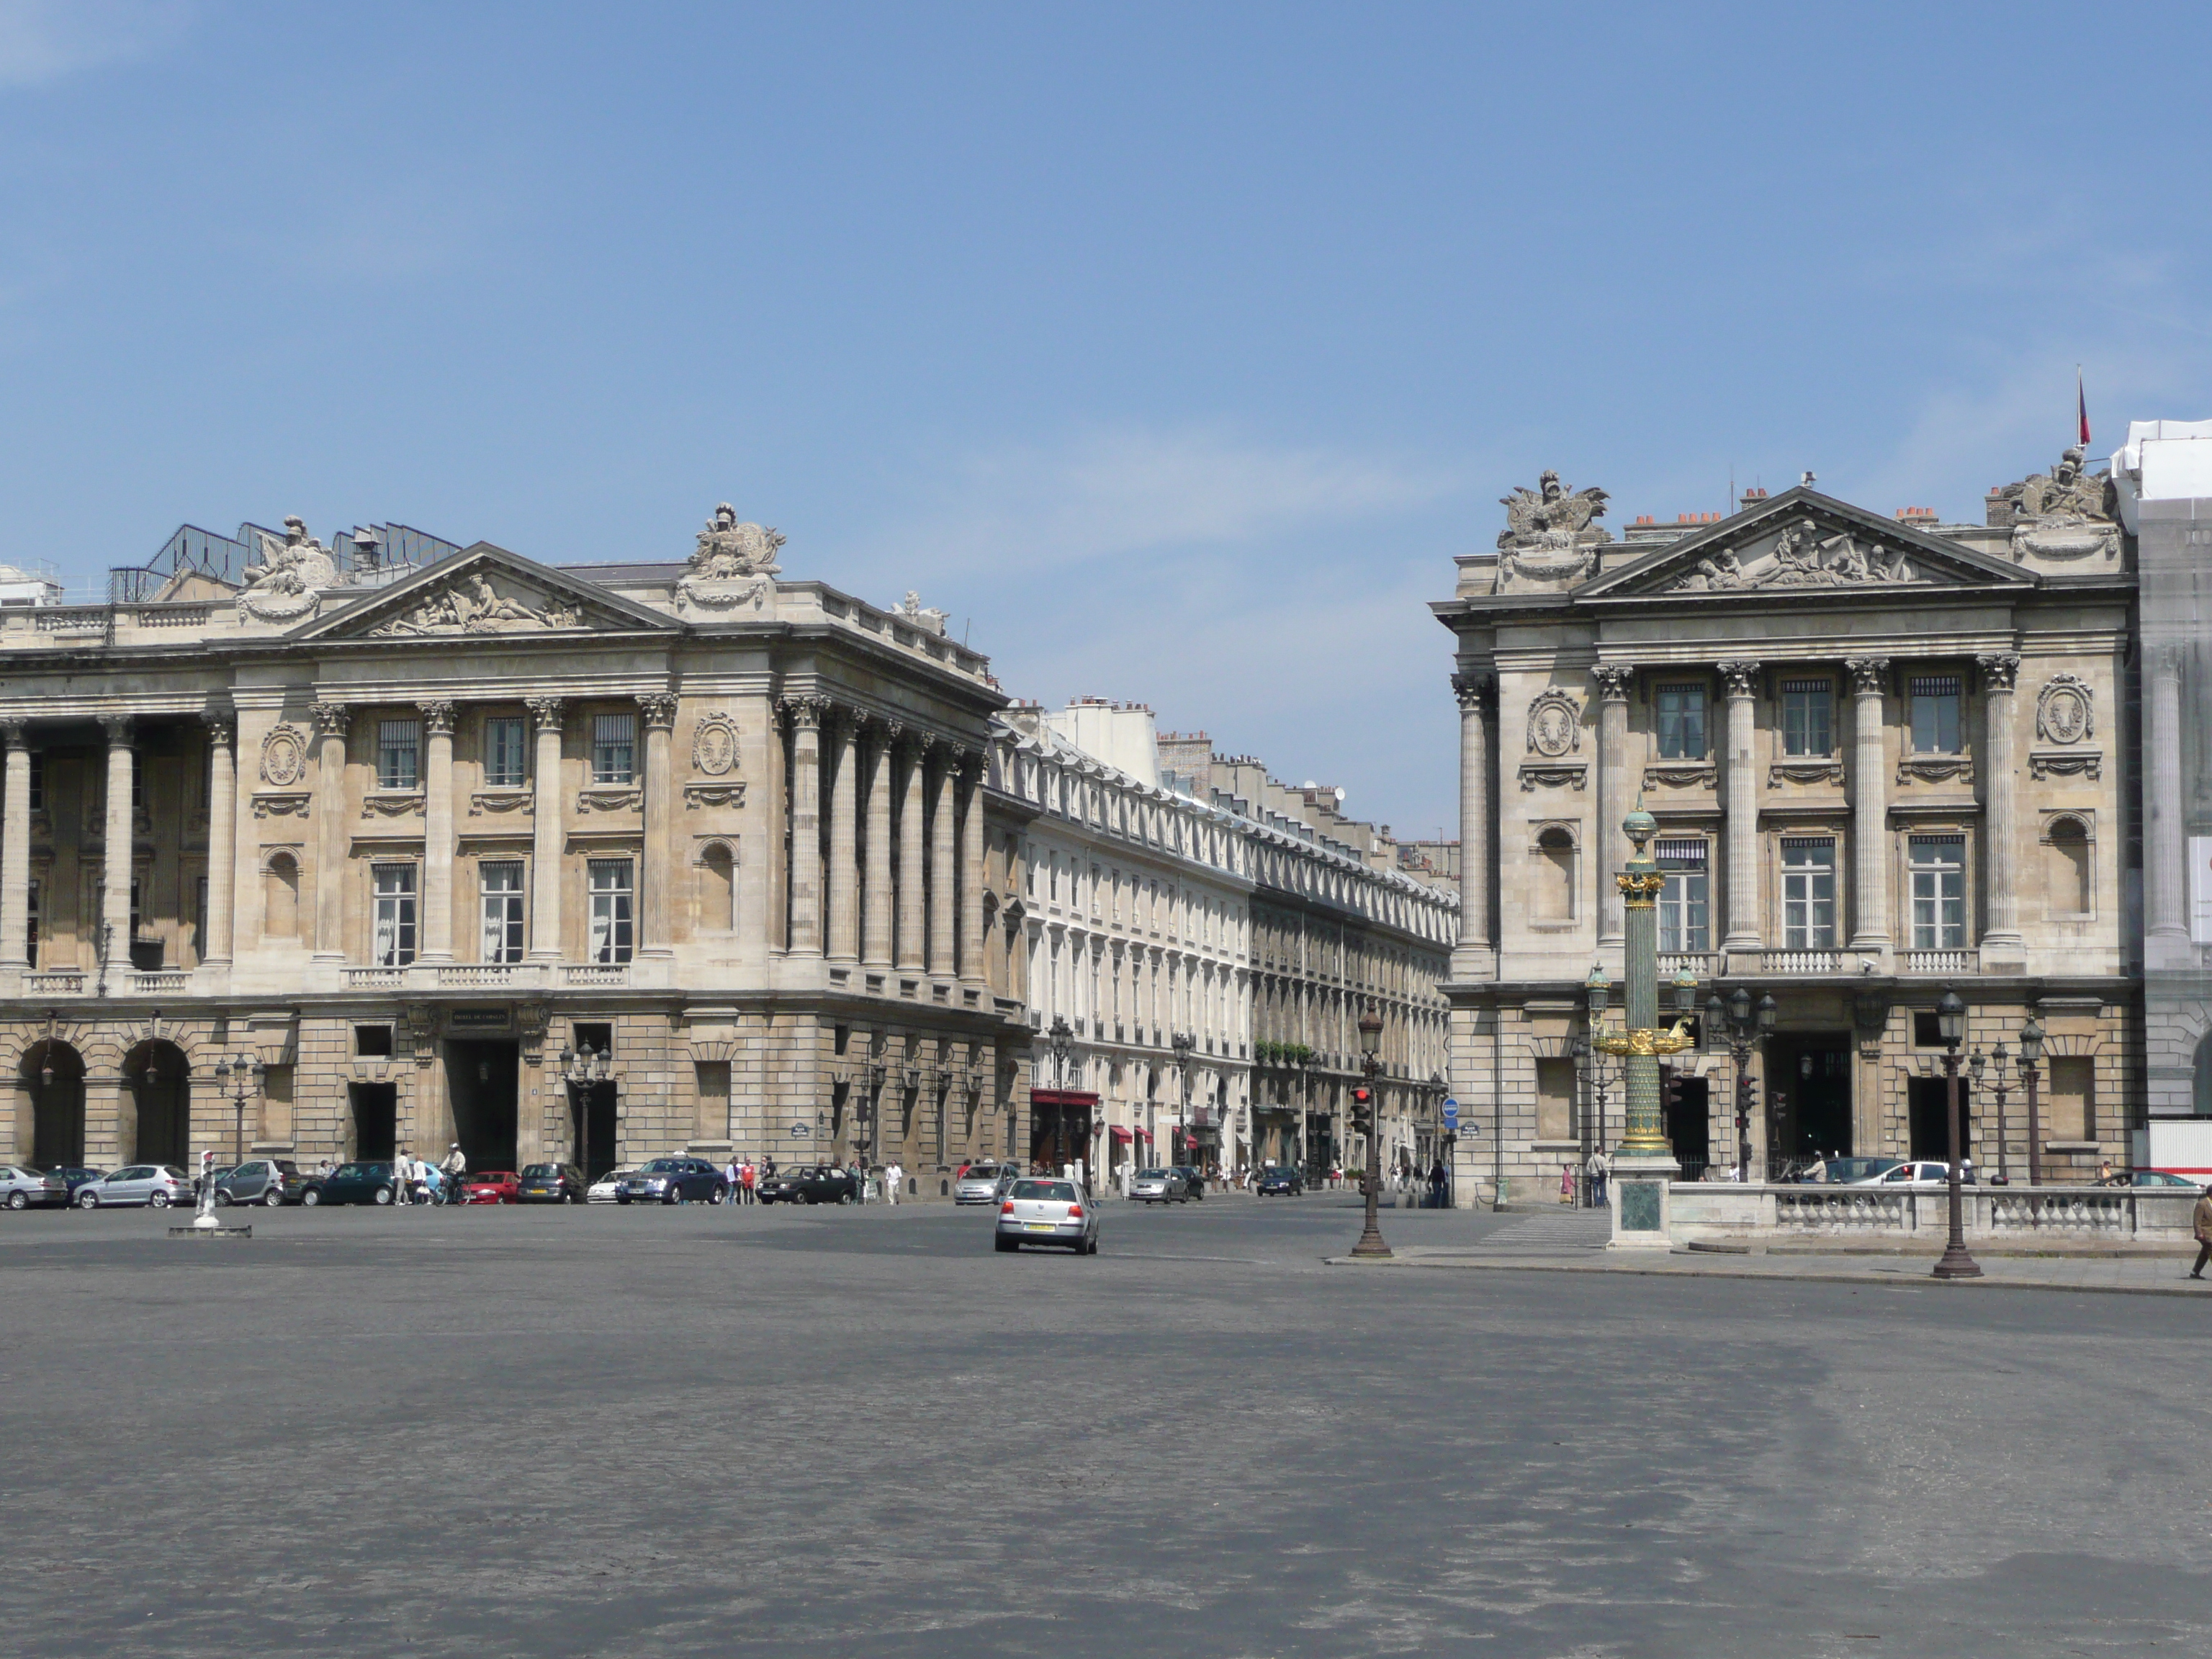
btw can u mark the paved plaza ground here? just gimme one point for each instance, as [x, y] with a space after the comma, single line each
[833, 1431]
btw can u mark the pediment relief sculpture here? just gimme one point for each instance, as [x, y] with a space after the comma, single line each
[289, 582]
[1550, 535]
[2067, 512]
[733, 566]
[1800, 555]
[472, 603]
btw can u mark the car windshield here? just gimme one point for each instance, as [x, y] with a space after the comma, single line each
[982, 1172]
[1061, 1192]
[613, 1175]
[1151, 1174]
[542, 1172]
[662, 1166]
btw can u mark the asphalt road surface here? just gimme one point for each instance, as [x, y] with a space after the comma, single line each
[834, 1431]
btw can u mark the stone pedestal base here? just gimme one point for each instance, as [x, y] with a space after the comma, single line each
[1638, 1197]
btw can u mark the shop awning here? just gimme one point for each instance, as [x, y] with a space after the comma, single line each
[1121, 1134]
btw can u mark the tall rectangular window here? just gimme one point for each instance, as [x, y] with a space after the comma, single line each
[1937, 864]
[199, 916]
[394, 943]
[1935, 729]
[1681, 711]
[137, 778]
[504, 767]
[137, 908]
[1808, 893]
[33, 918]
[501, 884]
[398, 755]
[614, 748]
[1684, 902]
[610, 922]
[1808, 718]
[38, 781]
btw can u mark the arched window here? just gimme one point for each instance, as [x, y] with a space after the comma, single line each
[279, 896]
[2070, 869]
[1554, 876]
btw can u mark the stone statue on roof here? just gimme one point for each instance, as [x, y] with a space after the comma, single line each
[728, 550]
[2068, 512]
[1550, 534]
[286, 585]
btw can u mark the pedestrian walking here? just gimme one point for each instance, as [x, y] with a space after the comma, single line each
[1566, 1183]
[1439, 1185]
[2203, 1227]
[1596, 1170]
[894, 1178]
[735, 1175]
[403, 1175]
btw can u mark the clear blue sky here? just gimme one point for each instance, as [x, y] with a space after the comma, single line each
[1173, 350]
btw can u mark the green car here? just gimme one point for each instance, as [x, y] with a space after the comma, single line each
[351, 1183]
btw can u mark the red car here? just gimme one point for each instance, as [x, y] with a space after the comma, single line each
[491, 1187]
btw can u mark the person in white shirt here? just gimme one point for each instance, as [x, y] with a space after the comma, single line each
[894, 1178]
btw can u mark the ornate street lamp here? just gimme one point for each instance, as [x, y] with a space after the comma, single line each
[1951, 1024]
[1371, 1246]
[1743, 1026]
[1597, 991]
[1642, 1041]
[241, 1079]
[2030, 1057]
[1061, 1037]
[580, 1068]
[1975, 1067]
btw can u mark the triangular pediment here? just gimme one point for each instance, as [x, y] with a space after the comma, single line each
[1803, 541]
[481, 592]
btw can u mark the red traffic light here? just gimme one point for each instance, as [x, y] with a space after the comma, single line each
[1362, 1096]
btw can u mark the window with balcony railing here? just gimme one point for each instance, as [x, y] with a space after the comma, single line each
[1809, 893]
[392, 945]
[1938, 866]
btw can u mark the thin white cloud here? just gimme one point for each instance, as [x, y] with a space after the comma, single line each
[46, 40]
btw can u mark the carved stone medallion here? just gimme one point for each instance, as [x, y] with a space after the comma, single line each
[2065, 710]
[1555, 724]
[284, 756]
[714, 745]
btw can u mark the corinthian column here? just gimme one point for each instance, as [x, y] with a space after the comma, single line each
[115, 862]
[2001, 940]
[943, 883]
[331, 719]
[2166, 889]
[876, 744]
[1869, 808]
[1472, 955]
[910, 879]
[222, 836]
[844, 846]
[1739, 803]
[1614, 794]
[659, 709]
[545, 838]
[15, 849]
[805, 827]
[971, 869]
[438, 832]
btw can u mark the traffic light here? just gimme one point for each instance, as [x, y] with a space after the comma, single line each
[1363, 1105]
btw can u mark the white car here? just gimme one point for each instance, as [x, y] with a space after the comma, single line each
[982, 1183]
[1046, 1210]
[159, 1185]
[1918, 1175]
[602, 1191]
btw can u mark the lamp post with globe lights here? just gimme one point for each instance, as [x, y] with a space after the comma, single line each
[2031, 1058]
[580, 1070]
[1371, 1246]
[1951, 1024]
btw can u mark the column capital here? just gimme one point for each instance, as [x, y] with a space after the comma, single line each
[1477, 693]
[1741, 678]
[437, 717]
[117, 727]
[1614, 679]
[1999, 670]
[805, 714]
[1867, 674]
[12, 728]
[2165, 660]
[659, 709]
[221, 725]
[332, 719]
[544, 711]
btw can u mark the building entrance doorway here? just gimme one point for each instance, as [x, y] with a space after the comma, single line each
[158, 1079]
[1808, 1098]
[376, 1123]
[481, 1079]
[1689, 1126]
[54, 1073]
[592, 1128]
[1929, 1102]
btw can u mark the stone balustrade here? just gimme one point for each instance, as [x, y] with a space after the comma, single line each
[1716, 1211]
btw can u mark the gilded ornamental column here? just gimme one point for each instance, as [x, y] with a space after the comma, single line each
[805, 826]
[545, 847]
[844, 843]
[875, 745]
[1740, 804]
[942, 880]
[656, 924]
[910, 880]
[222, 836]
[1478, 697]
[15, 847]
[1615, 796]
[437, 831]
[1870, 806]
[2000, 937]
[115, 852]
[331, 719]
[971, 870]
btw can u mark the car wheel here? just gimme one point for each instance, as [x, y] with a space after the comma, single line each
[157, 1201]
[1005, 1246]
[88, 1200]
[716, 1196]
[17, 1200]
[622, 1198]
[223, 1201]
[675, 1195]
[1091, 1247]
[384, 1195]
[568, 1197]
[311, 1198]
[271, 1198]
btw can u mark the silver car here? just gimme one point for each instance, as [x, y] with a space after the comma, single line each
[159, 1185]
[20, 1187]
[981, 1184]
[1159, 1187]
[1046, 1210]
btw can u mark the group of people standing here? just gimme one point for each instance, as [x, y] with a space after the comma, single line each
[420, 1182]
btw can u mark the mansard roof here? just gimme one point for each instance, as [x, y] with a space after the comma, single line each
[1802, 542]
[481, 590]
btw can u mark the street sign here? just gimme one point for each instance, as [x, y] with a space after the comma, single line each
[1451, 1114]
[800, 1131]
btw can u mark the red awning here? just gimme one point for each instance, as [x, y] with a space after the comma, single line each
[1144, 1134]
[1121, 1134]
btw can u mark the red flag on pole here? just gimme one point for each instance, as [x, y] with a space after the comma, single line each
[2081, 409]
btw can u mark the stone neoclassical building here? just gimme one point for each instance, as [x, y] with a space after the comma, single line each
[1887, 757]
[407, 821]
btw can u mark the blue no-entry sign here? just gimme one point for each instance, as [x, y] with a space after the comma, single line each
[1451, 1114]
